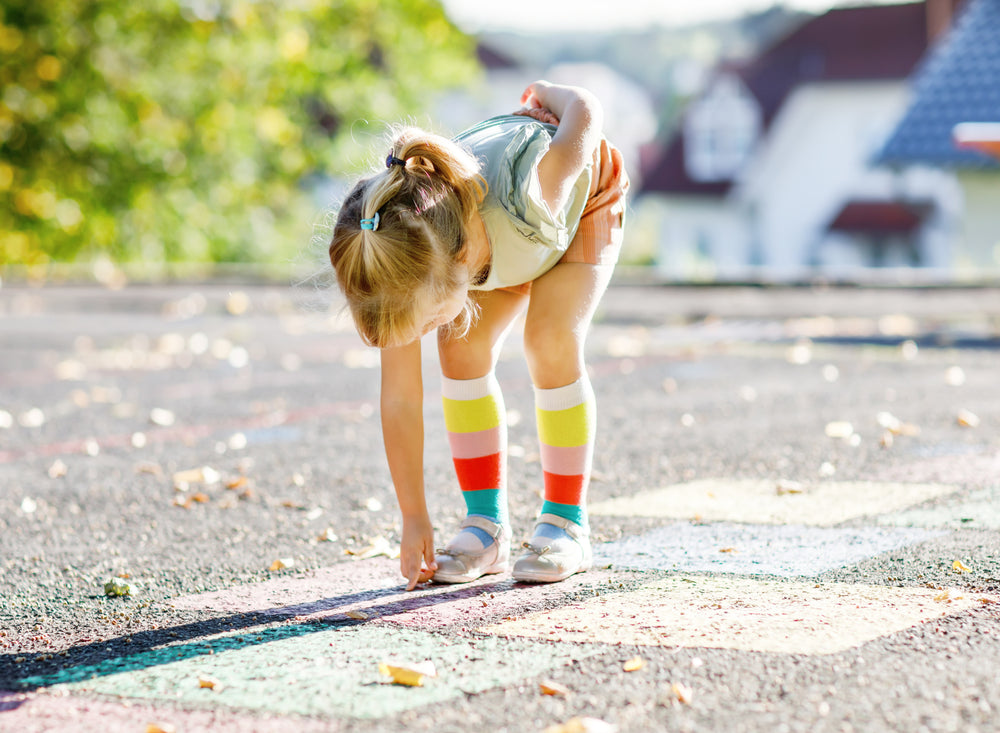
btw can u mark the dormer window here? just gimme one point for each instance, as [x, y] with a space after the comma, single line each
[720, 131]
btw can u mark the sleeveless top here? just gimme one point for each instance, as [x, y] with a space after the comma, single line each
[526, 239]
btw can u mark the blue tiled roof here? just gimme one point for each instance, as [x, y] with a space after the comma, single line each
[959, 81]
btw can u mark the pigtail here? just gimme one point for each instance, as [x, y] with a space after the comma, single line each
[400, 234]
[444, 160]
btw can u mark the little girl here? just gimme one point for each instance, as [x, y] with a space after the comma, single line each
[522, 210]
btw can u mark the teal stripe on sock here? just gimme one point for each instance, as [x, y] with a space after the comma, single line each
[490, 503]
[572, 512]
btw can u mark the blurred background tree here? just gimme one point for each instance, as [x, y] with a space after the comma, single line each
[182, 130]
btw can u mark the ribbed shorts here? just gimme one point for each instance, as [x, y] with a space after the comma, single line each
[598, 239]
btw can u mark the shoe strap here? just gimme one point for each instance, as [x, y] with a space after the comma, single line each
[570, 527]
[494, 530]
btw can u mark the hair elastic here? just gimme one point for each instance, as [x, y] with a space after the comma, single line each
[391, 160]
[370, 224]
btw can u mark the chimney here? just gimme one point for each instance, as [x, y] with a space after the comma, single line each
[940, 14]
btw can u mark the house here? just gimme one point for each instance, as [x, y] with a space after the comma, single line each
[948, 125]
[770, 174]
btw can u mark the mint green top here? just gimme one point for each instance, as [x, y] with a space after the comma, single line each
[526, 239]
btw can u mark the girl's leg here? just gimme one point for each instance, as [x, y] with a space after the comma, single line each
[475, 419]
[563, 303]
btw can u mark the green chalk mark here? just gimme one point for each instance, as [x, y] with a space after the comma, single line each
[331, 673]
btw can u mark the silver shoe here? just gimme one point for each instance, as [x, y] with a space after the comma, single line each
[455, 566]
[546, 560]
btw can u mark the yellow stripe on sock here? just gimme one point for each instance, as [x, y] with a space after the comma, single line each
[564, 428]
[470, 416]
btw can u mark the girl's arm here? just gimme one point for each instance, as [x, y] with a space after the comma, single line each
[403, 433]
[580, 121]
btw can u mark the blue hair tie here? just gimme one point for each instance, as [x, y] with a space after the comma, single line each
[391, 160]
[370, 224]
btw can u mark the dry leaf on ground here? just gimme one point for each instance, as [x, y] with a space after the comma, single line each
[968, 419]
[682, 693]
[356, 615]
[411, 675]
[959, 567]
[634, 664]
[582, 725]
[208, 683]
[379, 546]
[161, 728]
[281, 563]
[548, 687]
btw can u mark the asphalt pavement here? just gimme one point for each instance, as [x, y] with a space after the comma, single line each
[795, 508]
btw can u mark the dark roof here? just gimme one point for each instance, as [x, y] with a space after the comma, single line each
[845, 44]
[493, 58]
[958, 82]
[879, 217]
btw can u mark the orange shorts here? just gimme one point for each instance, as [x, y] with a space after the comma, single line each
[598, 239]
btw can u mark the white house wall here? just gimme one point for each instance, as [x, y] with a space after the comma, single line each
[978, 248]
[815, 158]
[698, 238]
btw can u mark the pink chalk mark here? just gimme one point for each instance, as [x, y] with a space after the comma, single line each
[40, 713]
[375, 589]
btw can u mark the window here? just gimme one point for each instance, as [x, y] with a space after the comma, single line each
[720, 131]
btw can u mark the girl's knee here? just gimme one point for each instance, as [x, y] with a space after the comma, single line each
[554, 355]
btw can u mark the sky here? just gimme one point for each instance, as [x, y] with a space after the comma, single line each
[579, 15]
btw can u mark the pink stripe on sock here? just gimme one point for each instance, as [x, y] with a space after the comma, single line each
[570, 461]
[475, 445]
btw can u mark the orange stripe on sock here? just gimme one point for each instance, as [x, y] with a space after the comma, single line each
[564, 489]
[485, 472]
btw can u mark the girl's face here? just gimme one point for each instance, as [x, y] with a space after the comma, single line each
[434, 313]
[445, 311]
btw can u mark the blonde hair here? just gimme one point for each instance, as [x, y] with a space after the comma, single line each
[423, 208]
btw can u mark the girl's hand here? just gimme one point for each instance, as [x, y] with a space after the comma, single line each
[416, 551]
[572, 147]
[539, 113]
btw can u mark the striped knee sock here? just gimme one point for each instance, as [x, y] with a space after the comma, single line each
[567, 421]
[476, 422]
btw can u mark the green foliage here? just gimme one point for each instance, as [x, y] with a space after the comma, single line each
[183, 129]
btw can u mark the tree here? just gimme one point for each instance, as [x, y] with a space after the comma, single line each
[183, 129]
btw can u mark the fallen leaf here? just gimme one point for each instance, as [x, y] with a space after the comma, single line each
[789, 487]
[379, 546]
[162, 417]
[682, 693]
[328, 535]
[58, 469]
[968, 419]
[839, 429]
[202, 475]
[941, 596]
[959, 567]
[151, 468]
[161, 728]
[582, 725]
[548, 687]
[731, 550]
[282, 563]
[634, 664]
[237, 483]
[356, 615]
[201, 497]
[411, 675]
[208, 683]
